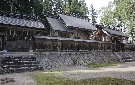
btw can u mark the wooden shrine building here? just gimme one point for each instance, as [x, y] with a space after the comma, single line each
[19, 32]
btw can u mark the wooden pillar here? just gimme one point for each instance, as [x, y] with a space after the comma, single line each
[10, 31]
[14, 31]
[0, 42]
[105, 45]
[61, 46]
[5, 38]
[98, 47]
[111, 47]
[27, 32]
[17, 34]
[4, 43]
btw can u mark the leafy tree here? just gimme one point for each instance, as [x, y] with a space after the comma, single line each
[93, 15]
[33, 7]
[47, 6]
[5, 4]
[122, 14]
[108, 15]
[83, 9]
[75, 7]
[58, 6]
[38, 7]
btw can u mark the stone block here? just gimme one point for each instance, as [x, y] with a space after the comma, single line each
[58, 59]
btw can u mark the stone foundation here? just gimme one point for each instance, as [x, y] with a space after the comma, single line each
[1, 58]
[49, 60]
[62, 59]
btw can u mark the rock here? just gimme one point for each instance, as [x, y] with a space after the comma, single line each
[1, 71]
[58, 59]
[11, 80]
[1, 82]
[6, 80]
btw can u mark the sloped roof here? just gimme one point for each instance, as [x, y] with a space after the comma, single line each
[20, 22]
[57, 25]
[77, 22]
[115, 32]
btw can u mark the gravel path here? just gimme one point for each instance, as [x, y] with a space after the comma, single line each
[20, 79]
[123, 71]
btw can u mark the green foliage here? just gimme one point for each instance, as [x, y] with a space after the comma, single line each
[5, 5]
[50, 79]
[38, 7]
[93, 15]
[121, 13]
[108, 15]
[102, 65]
[76, 7]
[47, 6]
[31, 7]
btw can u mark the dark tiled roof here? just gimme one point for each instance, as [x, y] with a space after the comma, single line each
[77, 22]
[20, 22]
[57, 25]
[71, 39]
[115, 32]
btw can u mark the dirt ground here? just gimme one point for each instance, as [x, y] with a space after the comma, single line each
[123, 71]
[20, 79]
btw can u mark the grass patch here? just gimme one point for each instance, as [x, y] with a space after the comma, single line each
[73, 74]
[50, 79]
[103, 64]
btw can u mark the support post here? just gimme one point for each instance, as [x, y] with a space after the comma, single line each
[30, 50]
[5, 38]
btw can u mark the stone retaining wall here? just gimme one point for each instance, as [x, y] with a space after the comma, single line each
[62, 59]
[1, 58]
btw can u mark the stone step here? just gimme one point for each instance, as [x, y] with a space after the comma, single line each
[123, 55]
[21, 69]
[20, 64]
